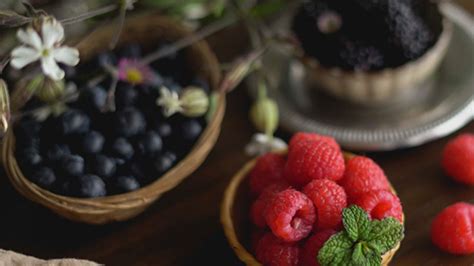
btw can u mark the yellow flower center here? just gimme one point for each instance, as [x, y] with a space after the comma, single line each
[134, 76]
[45, 52]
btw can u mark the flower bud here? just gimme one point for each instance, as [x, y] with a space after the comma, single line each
[4, 106]
[51, 90]
[194, 102]
[24, 90]
[264, 115]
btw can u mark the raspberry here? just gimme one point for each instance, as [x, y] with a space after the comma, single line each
[258, 207]
[290, 215]
[256, 236]
[267, 170]
[380, 204]
[313, 160]
[363, 175]
[272, 251]
[458, 159]
[301, 137]
[451, 230]
[329, 200]
[310, 250]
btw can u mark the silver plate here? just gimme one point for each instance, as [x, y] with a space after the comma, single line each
[444, 105]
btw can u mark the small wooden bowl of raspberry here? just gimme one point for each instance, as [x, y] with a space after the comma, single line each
[312, 205]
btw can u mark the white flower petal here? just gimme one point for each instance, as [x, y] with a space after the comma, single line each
[30, 37]
[53, 32]
[51, 68]
[22, 56]
[66, 55]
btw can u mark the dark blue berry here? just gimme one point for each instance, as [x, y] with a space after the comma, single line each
[201, 83]
[150, 143]
[74, 122]
[164, 130]
[190, 130]
[129, 122]
[106, 59]
[72, 165]
[103, 166]
[164, 162]
[57, 152]
[125, 95]
[93, 142]
[44, 177]
[88, 186]
[125, 184]
[94, 98]
[131, 51]
[122, 148]
[29, 157]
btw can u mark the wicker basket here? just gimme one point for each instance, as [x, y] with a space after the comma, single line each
[146, 30]
[379, 87]
[234, 216]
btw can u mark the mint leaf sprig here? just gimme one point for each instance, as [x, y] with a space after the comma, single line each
[362, 242]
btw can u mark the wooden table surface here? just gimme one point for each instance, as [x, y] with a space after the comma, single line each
[183, 227]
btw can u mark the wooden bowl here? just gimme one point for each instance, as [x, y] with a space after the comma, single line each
[146, 30]
[234, 216]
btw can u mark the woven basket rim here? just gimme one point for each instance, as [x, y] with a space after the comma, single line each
[227, 222]
[148, 193]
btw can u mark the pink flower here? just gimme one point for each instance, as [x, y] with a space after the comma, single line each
[132, 71]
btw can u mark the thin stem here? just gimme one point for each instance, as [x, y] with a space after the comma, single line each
[121, 23]
[185, 42]
[90, 14]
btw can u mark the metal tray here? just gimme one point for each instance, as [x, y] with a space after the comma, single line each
[444, 105]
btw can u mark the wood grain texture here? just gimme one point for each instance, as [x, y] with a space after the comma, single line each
[183, 227]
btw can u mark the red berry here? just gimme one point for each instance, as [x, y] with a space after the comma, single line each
[272, 251]
[255, 238]
[310, 250]
[301, 137]
[329, 200]
[363, 175]
[257, 209]
[267, 170]
[458, 159]
[290, 215]
[313, 160]
[452, 229]
[380, 204]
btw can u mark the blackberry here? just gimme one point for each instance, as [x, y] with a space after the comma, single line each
[357, 56]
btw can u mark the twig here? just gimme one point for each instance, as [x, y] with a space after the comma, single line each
[90, 14]
[185, 42]
[121, 23]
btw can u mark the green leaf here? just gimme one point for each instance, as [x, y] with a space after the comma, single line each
[356, 222]
[385, 235]
[336, 251]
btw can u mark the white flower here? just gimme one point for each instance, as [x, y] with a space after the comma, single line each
[170, 102]
[262, 144]
[46, 48]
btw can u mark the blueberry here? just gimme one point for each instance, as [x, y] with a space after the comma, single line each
[94, 98]
[57, 152]
[28, 128]
[150, 143]
[190, 129]
[106, 59]
[92, 142]
[129, 122]
[72, 165]
[126, 95]
[126, 184]
[74, 121]
[103, 166]
[201, 83]
[29, 157]
[122, 148]
[164, 162]
[88, 186]
[164, 129]
[131, 51]
[172, 85]
[44, 177]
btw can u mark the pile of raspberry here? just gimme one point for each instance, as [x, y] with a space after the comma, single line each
[299, 198]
